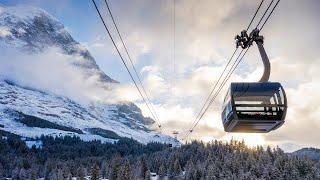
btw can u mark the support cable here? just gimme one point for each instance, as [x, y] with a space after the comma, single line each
[124, 63]
[265, 12]
[232, 69]
[216, 84]
[174, 46]
[131, 62]
[274, 7]
[254, 16]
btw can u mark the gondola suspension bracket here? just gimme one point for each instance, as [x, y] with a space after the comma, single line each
[245, 41]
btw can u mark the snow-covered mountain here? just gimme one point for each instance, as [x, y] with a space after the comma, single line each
[29, 112]
[34, 30]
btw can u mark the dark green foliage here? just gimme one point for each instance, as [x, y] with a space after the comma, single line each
[125, 172]
[65, 156]
[115, 167]
[1, 171]
[105, 169]
[143, 169]
[147, 175]
[95, 172]
[104, 133]
[6, 134]
[162, 171]
[32, 121]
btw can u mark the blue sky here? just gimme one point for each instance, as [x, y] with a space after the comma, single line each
[204, 41]
[79, 16]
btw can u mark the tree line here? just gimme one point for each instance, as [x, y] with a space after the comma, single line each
[67, 157]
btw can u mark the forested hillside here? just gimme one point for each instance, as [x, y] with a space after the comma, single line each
[311, 153]
[67, 157]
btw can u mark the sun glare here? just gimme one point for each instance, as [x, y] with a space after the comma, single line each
[252, 139]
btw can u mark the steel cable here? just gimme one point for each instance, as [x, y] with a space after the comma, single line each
[124, 63]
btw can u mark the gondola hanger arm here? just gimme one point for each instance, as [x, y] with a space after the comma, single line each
[245, 41]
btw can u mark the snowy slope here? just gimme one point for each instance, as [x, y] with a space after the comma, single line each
[30, 113]
[17, 102]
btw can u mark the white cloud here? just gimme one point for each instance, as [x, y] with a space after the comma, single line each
[4, 31]
[53, 71]
[302, 122]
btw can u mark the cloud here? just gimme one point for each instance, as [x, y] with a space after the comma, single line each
[53, 71]
[4, 31]
[302, 122]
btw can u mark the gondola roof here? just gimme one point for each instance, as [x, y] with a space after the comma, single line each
[254, 88]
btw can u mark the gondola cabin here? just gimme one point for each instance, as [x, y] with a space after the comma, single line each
[254, 107]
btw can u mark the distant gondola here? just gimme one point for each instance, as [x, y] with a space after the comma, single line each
[254, 107]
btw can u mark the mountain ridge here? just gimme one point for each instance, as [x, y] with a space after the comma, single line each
[311, 153]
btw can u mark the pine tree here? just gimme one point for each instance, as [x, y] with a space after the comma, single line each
[69, 176]
[125, 172]
[15, 173]
[95, 172]
[211, 172]
[142, 168]
[147, 175]
[171, 171]
[81, 173]
[23, 174]
[33, 173]
[1, 170]
[162, 171]
[177, 167]
[115, 167]
[60, 174]
[53, 175]
[192, 172]
[104, 169]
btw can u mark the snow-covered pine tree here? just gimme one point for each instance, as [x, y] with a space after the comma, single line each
[177, 168]
[115, 167]
[125, 172]
[95, 172]
[81, 173]
[147, 175]
[142, 168]
[162, 171]
[60, 173]
[23, 174]
[104, 169]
